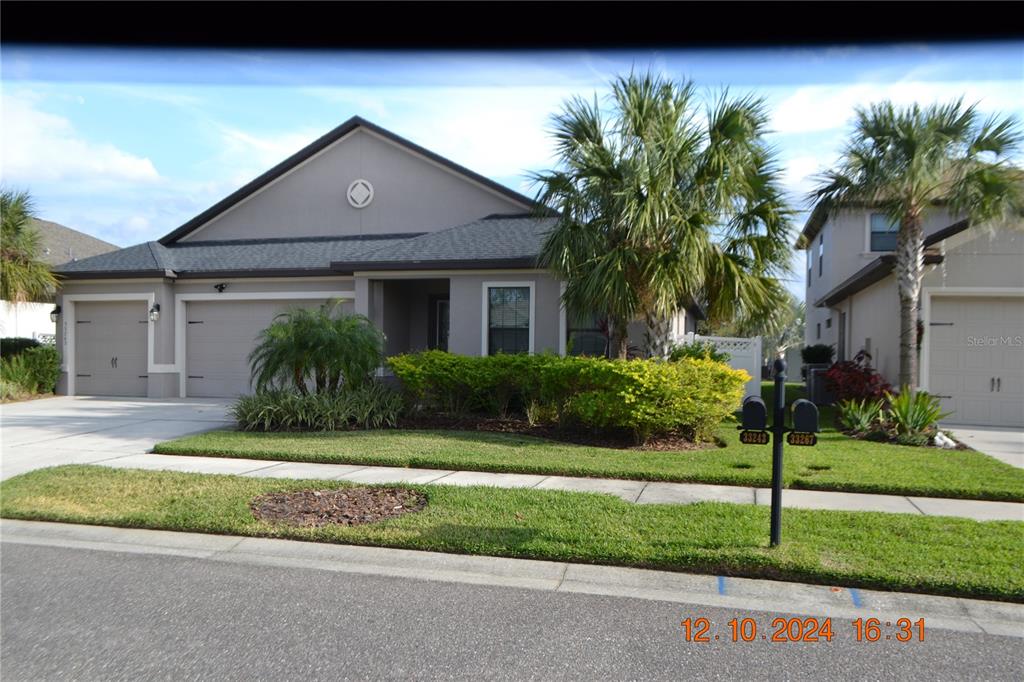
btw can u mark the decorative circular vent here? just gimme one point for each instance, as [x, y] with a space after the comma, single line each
[360, 193]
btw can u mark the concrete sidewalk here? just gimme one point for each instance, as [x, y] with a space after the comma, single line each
[640, 492]
[944, 613]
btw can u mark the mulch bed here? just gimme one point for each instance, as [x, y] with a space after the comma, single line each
[578, 436]
[343, 506]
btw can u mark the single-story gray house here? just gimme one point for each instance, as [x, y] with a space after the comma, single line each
[437, 256]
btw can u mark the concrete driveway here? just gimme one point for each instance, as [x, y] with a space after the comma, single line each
[1004, 444]
[65, 430]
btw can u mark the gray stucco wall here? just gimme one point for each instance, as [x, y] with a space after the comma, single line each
[467, 308]
[974, 259]
[411, 194]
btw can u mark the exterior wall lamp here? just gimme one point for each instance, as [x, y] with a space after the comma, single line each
[55, 314]
[154, 312]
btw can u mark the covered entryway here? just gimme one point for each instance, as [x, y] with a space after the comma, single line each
[976, 358]
[111, 348]
[219, 335]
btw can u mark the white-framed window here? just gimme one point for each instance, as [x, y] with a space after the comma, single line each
[507, 317]
[810, 263]
[821, 253]
[818, 331]
[828, 323]
[586, 334]
[882, 232]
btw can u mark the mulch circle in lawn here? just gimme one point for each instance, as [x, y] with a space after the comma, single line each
[342, 506]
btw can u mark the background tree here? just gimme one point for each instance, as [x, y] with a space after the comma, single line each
[911, 161]
[662, 201]
[23, 277]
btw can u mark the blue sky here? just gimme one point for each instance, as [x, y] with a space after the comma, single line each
[128, 144]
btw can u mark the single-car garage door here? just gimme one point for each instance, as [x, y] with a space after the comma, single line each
[111, 346]
[219, 335]
[976, 359]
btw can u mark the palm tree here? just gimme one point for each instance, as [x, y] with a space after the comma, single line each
[662, 202]
[909, 161]
[304, 345]
[23, 276]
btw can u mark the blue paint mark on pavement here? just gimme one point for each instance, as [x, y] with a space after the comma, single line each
[855, 596]
[721, 585]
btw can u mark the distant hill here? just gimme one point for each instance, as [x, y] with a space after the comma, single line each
[61, 244]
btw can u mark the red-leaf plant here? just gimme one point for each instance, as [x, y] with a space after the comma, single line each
[856, 379]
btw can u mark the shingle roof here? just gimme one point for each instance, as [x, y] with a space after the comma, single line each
[494, 241]
[499, 240]
[61, 244]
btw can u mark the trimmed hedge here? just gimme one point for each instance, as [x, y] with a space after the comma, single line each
[11, 346]
[644, 397]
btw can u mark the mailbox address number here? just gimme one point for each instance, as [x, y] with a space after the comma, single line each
[754, 437]
[798, 438]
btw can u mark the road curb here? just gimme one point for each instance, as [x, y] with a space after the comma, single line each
[944, 613]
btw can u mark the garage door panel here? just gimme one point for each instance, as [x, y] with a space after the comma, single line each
[219, 337]
[973, 358]
[111, 348]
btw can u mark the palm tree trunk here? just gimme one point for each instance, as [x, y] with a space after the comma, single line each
[617, 347]
[909, 273]
[656, 337]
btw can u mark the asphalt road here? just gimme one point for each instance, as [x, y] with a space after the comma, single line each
[84, 614]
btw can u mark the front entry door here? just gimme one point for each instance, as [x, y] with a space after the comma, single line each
[437, 332]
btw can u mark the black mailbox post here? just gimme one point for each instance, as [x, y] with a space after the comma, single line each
[755, 429]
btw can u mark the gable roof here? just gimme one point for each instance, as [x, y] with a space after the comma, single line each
[61, 244]
[319, 145]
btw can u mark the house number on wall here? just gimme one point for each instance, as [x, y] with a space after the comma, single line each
[360, 193]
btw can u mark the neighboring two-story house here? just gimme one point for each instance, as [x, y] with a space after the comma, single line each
[434, 254]
[972, 307]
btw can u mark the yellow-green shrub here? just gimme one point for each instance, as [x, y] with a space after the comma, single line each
[644, 397]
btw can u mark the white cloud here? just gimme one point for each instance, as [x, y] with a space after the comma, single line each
[826, 107]
[38, 146]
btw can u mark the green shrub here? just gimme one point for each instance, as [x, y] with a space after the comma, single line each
[817, 354]
[12, 391]
[697, 350]
[860, 415]
[914, 413]
[15, 345]
[43, 364]
[367, 406]
[643, 397]
[14, 370]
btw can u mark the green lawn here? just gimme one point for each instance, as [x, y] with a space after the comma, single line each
[836, 463]
[888, 551]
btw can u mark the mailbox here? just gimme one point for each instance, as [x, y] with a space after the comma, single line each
[805, 416]
[755, 414]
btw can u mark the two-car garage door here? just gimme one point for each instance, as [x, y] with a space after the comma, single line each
[976, 358]
[219, 335]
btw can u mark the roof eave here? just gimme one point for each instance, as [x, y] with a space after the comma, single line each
[873, 272]
[115, 274]
[453, 264]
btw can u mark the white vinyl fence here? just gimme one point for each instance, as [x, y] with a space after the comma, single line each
[743, 354]
[29, 320]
